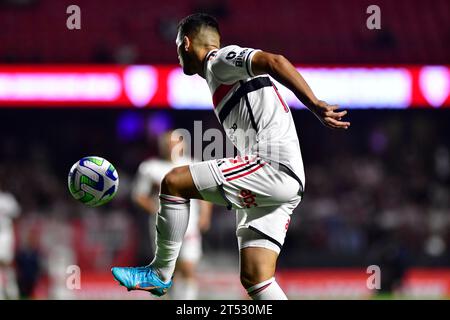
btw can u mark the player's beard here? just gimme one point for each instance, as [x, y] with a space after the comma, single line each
[187, 70]
[186, 65]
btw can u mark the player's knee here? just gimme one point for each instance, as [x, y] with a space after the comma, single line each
[247, 280]
[169, 184]
[251, 278]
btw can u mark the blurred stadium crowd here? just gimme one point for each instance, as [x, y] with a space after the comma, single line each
[376, 195]
[327, 31]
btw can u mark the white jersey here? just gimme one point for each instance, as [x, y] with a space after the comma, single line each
[149, 176]
[253, 114]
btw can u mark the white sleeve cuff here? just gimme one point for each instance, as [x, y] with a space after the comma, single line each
[248, 63]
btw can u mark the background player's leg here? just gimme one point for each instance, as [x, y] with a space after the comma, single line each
[257, 273]
[2, 282]
[186, 287]
[177, 188]
[12, 290]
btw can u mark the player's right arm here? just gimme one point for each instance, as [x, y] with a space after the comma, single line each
[146, 203]
[279, 68]
[204, 219]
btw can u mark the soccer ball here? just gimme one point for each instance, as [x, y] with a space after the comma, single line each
[93, 181]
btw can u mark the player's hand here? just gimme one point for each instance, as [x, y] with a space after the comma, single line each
[330, 116]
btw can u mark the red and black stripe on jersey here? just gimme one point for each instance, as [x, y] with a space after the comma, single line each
[242, 169]
[244, 89]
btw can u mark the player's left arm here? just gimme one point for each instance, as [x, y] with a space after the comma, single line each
[204, 220]
[279, 68]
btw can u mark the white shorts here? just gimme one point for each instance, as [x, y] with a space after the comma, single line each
[264, 197]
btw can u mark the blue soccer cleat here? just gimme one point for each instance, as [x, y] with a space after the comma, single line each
[141, 278]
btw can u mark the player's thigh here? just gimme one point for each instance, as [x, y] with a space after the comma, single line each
[261, 233]
[264, 227]
[179, 182]
[207, 180]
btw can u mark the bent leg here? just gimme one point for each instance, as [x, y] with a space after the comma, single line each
[256, 265]
[178, 182]
[177, 188]
[172, 220]
[257, 274]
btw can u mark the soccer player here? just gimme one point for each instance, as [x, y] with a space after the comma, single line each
[145, 194]
[264, 184]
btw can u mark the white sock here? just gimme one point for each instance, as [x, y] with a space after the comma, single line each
[191, 289]
[185, 289]
[266, 290]
[171, 225]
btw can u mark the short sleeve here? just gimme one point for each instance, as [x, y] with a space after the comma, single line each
[232, 63]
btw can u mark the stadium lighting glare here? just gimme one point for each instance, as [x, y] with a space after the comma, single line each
[145, 86]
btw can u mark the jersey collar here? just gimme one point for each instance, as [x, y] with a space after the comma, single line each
[208, 55]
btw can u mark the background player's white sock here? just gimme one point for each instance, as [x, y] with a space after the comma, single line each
[171, 225]
[266, 290]
[185, 289]
[191, 289]
[2, 284]
[12, 290]
[8, 283]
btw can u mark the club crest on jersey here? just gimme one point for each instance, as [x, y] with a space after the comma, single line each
[248, 199]
[231, 133]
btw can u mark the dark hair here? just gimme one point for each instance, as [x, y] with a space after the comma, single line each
[194, 22]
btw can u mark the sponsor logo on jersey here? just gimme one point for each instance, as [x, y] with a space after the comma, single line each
[240, 58]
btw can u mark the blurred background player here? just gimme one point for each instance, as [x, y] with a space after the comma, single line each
[9, 210]
[145, 193]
